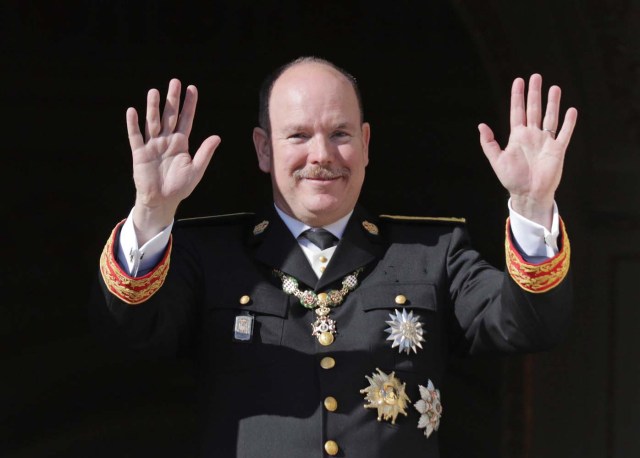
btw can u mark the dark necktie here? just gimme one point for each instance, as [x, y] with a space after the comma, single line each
[321, 238]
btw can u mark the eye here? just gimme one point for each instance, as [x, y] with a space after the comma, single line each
[341, 135]
[298, 136]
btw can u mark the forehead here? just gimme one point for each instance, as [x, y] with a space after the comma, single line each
[312, 90]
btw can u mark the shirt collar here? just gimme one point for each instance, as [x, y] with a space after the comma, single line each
[298, 227]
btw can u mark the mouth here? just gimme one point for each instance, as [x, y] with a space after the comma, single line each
[322, 179]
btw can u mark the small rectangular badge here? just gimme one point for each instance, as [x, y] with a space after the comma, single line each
[243, 328]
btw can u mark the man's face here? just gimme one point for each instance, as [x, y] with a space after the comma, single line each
[318, 148]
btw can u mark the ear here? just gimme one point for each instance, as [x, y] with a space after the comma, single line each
[366, 135]
[262, 143]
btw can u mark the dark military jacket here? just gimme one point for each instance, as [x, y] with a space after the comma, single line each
[266, 397]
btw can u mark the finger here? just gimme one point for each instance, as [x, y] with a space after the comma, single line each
[550, 122]
[171, 106]
[534, 101]
[152, 125]
[488, 143]
[570, 119]
[133, 130]
[517, 117]
[188, 110]
[204, 154]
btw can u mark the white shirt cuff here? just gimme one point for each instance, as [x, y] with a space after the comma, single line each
[137, 261]
[534, 241]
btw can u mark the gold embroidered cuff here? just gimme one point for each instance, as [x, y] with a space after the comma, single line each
[542, 277]
[132, 290]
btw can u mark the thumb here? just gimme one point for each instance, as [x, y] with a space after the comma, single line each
[204, 154]
[488, 143]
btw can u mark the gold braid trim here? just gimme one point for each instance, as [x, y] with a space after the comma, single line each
[425, 218]
[131, 290]
[543, 277]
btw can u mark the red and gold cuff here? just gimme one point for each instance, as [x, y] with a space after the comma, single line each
[132, 290]
[542, 277]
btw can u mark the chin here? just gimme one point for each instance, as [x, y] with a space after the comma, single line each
[323, 204]
[327, 210]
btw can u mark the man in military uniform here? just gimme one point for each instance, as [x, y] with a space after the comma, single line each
[326, 328]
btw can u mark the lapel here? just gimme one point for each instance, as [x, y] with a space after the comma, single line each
[357, 248]
[277, 248]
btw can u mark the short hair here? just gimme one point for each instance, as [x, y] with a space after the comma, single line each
[267, 86]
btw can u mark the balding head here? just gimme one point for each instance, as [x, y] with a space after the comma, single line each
[266, 89]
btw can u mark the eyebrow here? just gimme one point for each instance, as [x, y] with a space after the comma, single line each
[299, 127]
[294, 127]
[342, 125]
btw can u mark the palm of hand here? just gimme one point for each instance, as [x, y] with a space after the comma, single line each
[163, 168]
[531, 164]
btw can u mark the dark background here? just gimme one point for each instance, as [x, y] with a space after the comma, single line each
[429, 73]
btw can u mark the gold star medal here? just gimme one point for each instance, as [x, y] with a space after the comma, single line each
[405, 331]
[386, 394]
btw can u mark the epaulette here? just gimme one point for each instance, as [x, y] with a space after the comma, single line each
[423, 219]
[214, 220]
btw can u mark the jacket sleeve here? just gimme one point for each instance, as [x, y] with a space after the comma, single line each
[152, 314]
[525, 308]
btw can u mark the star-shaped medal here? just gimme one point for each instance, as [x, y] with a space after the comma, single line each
[386, 394]
[405, 331]
[430, 408]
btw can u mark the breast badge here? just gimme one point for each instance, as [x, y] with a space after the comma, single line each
[386, 394]
[243, 328]
[405, 331]
[430, 408]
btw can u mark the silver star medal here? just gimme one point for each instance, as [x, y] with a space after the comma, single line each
[430, 408]
[405, 331]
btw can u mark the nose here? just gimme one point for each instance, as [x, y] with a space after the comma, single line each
[321, 150]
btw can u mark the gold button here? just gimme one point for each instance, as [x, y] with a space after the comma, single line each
[322, 259]
[322, 297]
[330, 403]
[244, 300]
[331, 447]
[327, 362]
[322, 268]
[401, 299]
[326, 338]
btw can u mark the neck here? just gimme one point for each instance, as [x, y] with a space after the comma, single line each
[312, 220]
[297, 226]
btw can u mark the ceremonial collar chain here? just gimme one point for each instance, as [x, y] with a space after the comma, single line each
[324, 327]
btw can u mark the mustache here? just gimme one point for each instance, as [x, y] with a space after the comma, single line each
[321, 172]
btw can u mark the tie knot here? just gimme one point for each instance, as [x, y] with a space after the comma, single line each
[321, 238]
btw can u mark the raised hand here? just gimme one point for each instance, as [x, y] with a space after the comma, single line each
[164, 171]
[530, 167]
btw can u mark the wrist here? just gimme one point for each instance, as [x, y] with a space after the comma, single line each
[149, 221]
[537, 210]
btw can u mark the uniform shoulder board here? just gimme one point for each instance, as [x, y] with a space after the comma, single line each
[423, 219]
[215, 220]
